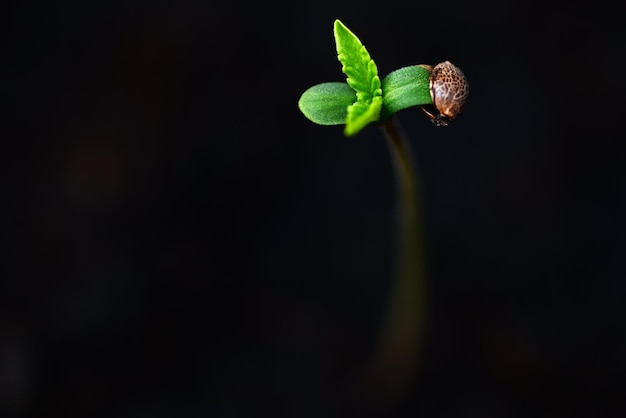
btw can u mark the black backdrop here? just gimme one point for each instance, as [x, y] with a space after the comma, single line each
[179, 241]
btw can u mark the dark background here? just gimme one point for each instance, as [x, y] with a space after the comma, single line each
[179, 241]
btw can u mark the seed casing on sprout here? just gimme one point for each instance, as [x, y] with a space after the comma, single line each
[449, 91]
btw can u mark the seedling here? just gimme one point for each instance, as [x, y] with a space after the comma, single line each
[365, 100]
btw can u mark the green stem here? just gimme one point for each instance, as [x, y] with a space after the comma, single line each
[396, 361]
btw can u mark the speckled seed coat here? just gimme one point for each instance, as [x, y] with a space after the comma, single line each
[449, 91]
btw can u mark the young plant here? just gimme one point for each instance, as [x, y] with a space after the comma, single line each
[365, 100]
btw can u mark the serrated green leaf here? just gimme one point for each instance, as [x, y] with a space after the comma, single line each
[405, 87]
[327, 103]
[362, 76]
[361, 114]
[357, 65]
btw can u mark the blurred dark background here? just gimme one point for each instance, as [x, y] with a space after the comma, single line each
[179, 241]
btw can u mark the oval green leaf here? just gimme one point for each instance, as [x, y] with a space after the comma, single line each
[405, 87]
[327, 103]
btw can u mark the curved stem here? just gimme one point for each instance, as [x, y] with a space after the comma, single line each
[396, 360]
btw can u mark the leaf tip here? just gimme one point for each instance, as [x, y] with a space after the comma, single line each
[340, 29]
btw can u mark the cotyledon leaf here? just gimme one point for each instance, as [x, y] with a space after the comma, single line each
[327, 103]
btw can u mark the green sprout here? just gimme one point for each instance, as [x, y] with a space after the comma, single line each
[361, 101]
[364, 100]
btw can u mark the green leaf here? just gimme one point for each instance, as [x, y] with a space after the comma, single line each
[360, 114]
[327, 103]
[357, 64]
[362, 76]
[406, 87]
